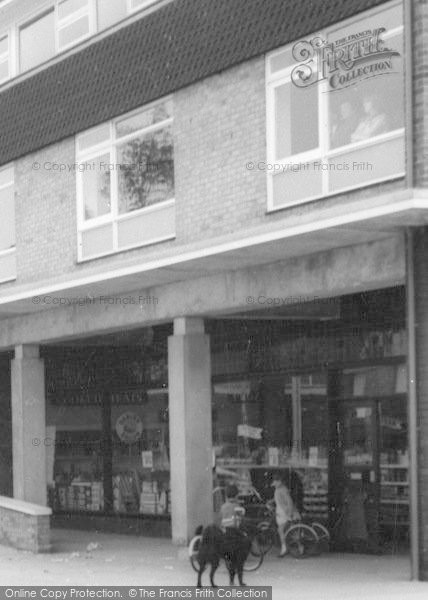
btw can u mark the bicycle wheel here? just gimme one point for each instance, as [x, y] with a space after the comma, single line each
[193, 552]
[301, 540]
[253, 561]
[264, 539]
[323, 536]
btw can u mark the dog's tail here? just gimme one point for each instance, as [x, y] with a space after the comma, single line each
[199, 530]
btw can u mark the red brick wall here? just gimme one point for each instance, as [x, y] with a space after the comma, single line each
[219, 125]
[25, 532]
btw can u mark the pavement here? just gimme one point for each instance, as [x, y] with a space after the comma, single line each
[80, 558]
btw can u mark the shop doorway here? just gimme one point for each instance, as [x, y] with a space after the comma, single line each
[368, 462]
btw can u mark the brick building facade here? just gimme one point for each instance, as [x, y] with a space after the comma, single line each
[226, 243]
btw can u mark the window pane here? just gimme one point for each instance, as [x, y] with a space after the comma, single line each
[93, 137]
[140, 3]
[367, 164]
[296, 119]
[110, 12]
[4, 70]
[144, 119]
[292, 186]
[37, 41]
[147, 226]
[8, 266]
[75, 31]
[68, 7]
[147, 173]
[4, 47]
[98, 240]
[96, 186]
[7, 221]
[370, 107]
[283, 60]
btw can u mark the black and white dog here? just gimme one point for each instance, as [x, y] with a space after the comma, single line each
[232, 545]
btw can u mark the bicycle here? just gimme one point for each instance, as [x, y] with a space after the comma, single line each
[302, 538]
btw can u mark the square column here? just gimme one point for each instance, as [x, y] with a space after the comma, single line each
[189, 375]
[28, 425]
[417, 323]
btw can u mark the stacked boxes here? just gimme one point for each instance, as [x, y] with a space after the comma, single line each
[149, 498]
[81, 496]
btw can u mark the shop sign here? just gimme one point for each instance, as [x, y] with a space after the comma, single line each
[95, 397]
[248, 431]
[129, 427]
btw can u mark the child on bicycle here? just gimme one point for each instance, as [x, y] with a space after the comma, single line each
[285, 511]
[231, 512]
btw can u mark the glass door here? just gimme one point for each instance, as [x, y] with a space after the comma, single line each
[359, 510]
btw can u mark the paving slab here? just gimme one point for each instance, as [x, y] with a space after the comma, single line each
[99, 559]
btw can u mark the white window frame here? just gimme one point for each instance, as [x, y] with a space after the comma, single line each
[144, 4]
[14, 32]
[89, 10]
[12, 250]
[6, 56]
[114, 217]
[322, 153]
[25, 22]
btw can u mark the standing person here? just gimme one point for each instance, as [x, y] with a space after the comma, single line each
[285, 511]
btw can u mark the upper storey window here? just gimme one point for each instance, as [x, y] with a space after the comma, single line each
[75, 22]
[37, 40]
[4, 58]
[137, 4]
[59, 26]
[335, 109]
[125, 182]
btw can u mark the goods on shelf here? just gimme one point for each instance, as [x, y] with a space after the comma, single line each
[153, 501]
[80, 496]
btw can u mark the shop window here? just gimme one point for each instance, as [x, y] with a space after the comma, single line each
[141, 457]
[37, 40]
[4, 58]
[125, 182]
[108, 451]
[281, 423]
[335, 109]
[7, 226]
[75, 22]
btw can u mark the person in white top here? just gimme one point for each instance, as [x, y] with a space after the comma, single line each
[285, 511]
[374, 122]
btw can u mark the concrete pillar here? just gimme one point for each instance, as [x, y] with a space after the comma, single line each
[189, 375]
[28, 425]
[418, 398]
